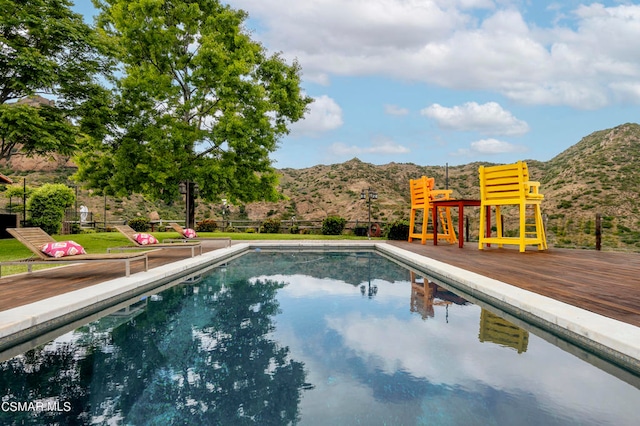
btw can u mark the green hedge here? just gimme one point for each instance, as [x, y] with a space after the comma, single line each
[333, 225]
[399, 230]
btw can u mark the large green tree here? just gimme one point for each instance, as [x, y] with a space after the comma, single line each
[198, 101]
[47, 50]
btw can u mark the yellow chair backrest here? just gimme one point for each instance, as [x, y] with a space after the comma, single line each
[422, 192]
[420, 189]
[507, 184]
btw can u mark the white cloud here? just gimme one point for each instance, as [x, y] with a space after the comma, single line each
[489, 147]
[447, 43]
[381, 146]
[489, 118]
[324, 115]
[395, 110]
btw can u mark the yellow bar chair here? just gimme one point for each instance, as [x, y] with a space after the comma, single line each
[509, 184]
[422, 193]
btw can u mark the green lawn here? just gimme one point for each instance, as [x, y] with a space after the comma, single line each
[11, 249]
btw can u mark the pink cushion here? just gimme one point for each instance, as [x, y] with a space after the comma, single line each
[63, 248]
[145, 239]
[189, 233]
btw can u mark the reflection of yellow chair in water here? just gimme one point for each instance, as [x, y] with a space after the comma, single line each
[422, 193]
[510, 185]
[422, 296]
[498, 330]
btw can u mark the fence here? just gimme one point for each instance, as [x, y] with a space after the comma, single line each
[73, 223]
[293, 226]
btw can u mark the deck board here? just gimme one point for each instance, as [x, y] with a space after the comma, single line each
[607, 283]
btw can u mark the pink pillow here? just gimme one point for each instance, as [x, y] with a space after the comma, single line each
[189, 233]
[145, 239]
[63, 248]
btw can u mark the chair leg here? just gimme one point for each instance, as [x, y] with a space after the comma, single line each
[452, 230]
[447, 224]
[540, 231]
[499, 225]
[412, 223]
[525, 235]
[523, 227]
[425, 224]
[481, 235]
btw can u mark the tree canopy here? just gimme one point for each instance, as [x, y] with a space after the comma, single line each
[196, 100]
[47, 50]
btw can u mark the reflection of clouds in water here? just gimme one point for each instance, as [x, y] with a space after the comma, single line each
[451, 354]
[304, 286]
[424, 348]
[447, 354]
[339, 393]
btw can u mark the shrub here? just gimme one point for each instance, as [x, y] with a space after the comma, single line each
[140, 224]
[333, 225]
[295, 229]
[270, 226]
[76, 228]
[207, 225]
[47, 205]
[360, 230]
[399, 230]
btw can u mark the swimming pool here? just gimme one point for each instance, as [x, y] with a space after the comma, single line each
[310, 338]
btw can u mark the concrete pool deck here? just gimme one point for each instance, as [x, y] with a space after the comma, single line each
[612, 339]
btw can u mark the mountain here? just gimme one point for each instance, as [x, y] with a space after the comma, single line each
[599, 174]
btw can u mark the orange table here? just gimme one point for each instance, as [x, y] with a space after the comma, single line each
[460, 204]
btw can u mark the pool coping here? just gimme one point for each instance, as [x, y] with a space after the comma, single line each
[611, 339]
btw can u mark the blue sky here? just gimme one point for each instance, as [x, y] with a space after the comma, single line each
[433, 82]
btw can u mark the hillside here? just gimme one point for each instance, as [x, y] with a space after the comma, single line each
[599, 174]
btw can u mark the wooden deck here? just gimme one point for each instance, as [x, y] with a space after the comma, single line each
[21, 289]
[606, 283]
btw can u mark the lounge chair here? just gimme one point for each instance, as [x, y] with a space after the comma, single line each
[129, 232]
[35, 238]
[180, 230]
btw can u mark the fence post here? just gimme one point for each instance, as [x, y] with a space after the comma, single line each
[24, 202]
[598, 231]
[466, 218]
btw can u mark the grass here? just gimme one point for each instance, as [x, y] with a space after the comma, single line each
[99, 242]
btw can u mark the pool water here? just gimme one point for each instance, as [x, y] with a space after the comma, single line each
[309, 338]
